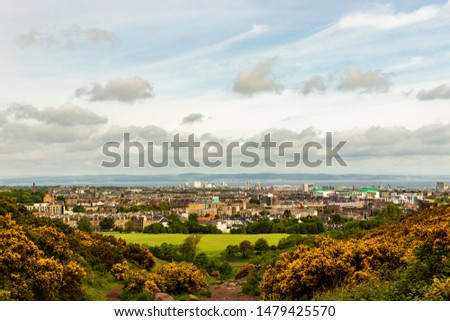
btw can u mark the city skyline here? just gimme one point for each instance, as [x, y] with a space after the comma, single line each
[374, 74]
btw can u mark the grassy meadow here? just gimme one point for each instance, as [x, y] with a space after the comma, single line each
[211, 244]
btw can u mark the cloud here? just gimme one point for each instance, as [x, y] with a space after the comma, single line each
[439, 92]
[28, 39]
[97, 35]
[389, 20]
[258, 79]
[70, 37]
[66, 115]
[315, 83]
[27, 128]
[192, 118]
[126, 90]
[369, 81]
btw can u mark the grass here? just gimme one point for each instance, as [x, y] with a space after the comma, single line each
[98, 285]
[211, 244]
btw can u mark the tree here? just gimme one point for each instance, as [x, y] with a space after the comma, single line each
[85, 225]
[155, 228]
[287, 214]
[391, 213]
[261, 245]
[189, 247]
[201, 261]
[336, 219]
[107, 223]
[246, 248]
[230, 252]
[79, 209]
[129, 226]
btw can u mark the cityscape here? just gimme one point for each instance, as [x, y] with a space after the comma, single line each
[226, 207]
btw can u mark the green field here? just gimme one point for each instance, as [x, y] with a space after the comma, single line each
[211, 244]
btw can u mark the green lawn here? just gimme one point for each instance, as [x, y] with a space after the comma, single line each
[211, 244]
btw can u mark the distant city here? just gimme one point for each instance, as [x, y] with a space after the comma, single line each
[226, 207]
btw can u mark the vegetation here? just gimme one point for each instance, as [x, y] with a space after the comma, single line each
[176, 226]
[85, 225]
[45, 259]
[308, 225]
[404, 260]
[211, 244]
[107, 223]
[23, 196]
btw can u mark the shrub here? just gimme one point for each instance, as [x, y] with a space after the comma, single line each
[120, 271]
[141, 255]
[144, 281]
[182, 277]
[306, 271]
[439, 290]
[245, 270]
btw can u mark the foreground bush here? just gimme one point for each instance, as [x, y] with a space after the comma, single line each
[141, 255]
[408, 259]
[182, 278]
[244, 270]
[307, 271]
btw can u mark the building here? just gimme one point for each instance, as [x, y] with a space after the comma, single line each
[46, 208]
[440, 186]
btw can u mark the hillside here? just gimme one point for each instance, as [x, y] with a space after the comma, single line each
[406, 260]
[44, 259]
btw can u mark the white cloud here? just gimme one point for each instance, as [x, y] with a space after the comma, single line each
[258, 79]
[126, 90]
[369, 81]
[315, 83]
[29, 128]
[192, 118]
[70, 37]
[387, 19]
[66, 115]
[439, 92]
[97, 35]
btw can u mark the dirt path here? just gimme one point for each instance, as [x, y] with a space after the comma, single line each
[229, 291]
[226, 291]
[115, 294]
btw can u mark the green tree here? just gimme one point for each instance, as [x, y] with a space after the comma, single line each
[189, 247]
[79, 209]
[130, 226]
[107, 223]
[246, 248]
[230, 252]
[201, 261]
[85, 225]
[336, 219]
[261, 245]
[391, 213]
[155, 228]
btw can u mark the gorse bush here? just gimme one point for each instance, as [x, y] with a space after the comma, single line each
[244, 270]
[141, 255]
[45, 259]
[406, 260]
[182, 278]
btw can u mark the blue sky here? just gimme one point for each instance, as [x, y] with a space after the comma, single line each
[76, 75]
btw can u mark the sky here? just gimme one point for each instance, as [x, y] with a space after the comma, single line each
[76, 75]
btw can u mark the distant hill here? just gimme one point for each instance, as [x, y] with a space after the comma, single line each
[266, 179]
